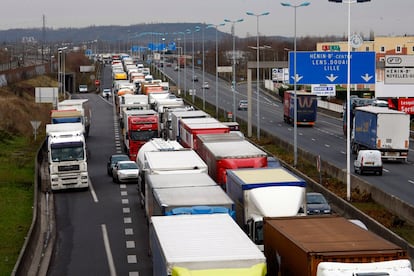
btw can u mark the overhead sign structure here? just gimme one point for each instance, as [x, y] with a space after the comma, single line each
[332, 67]
[399, 69]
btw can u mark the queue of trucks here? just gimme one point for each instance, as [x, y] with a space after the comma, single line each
[214, 207]
[66, 144]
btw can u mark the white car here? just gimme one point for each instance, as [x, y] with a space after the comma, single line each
[368, 161]
[205, 85]
[83, 88]
[125, 171]
[106, 92]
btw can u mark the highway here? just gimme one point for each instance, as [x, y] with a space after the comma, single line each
[102, 231]
[325, 138]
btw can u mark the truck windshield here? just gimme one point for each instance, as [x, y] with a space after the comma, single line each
[67, 152]
[143, 135]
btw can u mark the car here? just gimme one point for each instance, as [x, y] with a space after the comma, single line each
[194, 78]
[83, 88]
[125, 171]
[177, 68]
[242, 105]
[205, 85]
[368, 161]
[316, 204]
[106, 92]
[113, 159]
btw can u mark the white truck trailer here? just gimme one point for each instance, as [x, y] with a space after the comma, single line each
[386, 268]
[383, 129]
[67, 156]
[264, 192]
[174, 128]
[155, 144]
[209, 244]
[83, 106]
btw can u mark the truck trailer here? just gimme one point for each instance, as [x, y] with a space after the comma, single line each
[306, 108]
[296, 245]
[383, 129]
[386, 268]
[189, 200]
[264, 192]
[209, 243]
[226, 151]
[191, 127]
[155, 144]
[162, 181]
[174, 126]
[66, 148]
[81, 105]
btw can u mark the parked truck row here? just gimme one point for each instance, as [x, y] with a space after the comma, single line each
[213, 205]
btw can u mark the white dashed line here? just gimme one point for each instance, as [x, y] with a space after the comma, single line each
[130, 244]
[129, 231]
[124, 193]
[127, 220]
[126, 210]
[125, 201]
[132, 259]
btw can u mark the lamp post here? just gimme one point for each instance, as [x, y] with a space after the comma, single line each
[233, 85]
[216, 26]
[295, 105]
[61, 70]
[197, 28]
[257, 70]
[348, 92]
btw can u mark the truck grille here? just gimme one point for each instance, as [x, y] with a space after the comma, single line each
[68, 168]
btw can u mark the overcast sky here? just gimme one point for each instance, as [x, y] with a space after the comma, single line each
[320, 18]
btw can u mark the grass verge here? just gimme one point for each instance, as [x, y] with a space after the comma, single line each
[16, 197]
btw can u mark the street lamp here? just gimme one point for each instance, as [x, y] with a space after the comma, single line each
[233, 86]
[61, 70]
[197, 28]
[348, 92]
[257, 70]
[295, 105]
[216, 26]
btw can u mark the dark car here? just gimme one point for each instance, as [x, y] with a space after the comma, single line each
[316, 204]
[195, 78]
[113, 159]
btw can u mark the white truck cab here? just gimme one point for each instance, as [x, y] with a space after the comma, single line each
[368, 161]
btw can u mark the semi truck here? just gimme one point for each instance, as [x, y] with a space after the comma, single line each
[383, 129]
[209, 244]
[386, 268]
[155, 144]
[189, 200]
[162, 181]
[66, 150]
[224, 151]
[306, 108]
[174, 126]
[191, 127]
[264, 192]
[297, 245]
[139, 126]
[81, 105]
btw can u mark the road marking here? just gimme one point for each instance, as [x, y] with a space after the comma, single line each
[125, 201]
[130, 244]
[126, 210]
[124, 193]
[385, 170]
[411, 181]
[122, 186]
[108, 251]
[313, 139]
[327, 146]
[133, 273]
[129, 231]
[132, 259]
[92, 191]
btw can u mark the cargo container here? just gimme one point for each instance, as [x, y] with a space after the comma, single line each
[306, 107]
[296, 245]
[224, 151]
[383, 129]
[212, 243]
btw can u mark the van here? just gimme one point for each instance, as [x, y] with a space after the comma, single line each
[368, 161]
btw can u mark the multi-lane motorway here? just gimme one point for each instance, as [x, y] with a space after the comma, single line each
[325, 138]
[103, 231]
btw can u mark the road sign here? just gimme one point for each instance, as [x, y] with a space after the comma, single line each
[332, 67]
[399, 69]
[323, 89]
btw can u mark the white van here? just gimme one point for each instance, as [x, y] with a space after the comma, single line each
[368, 161]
